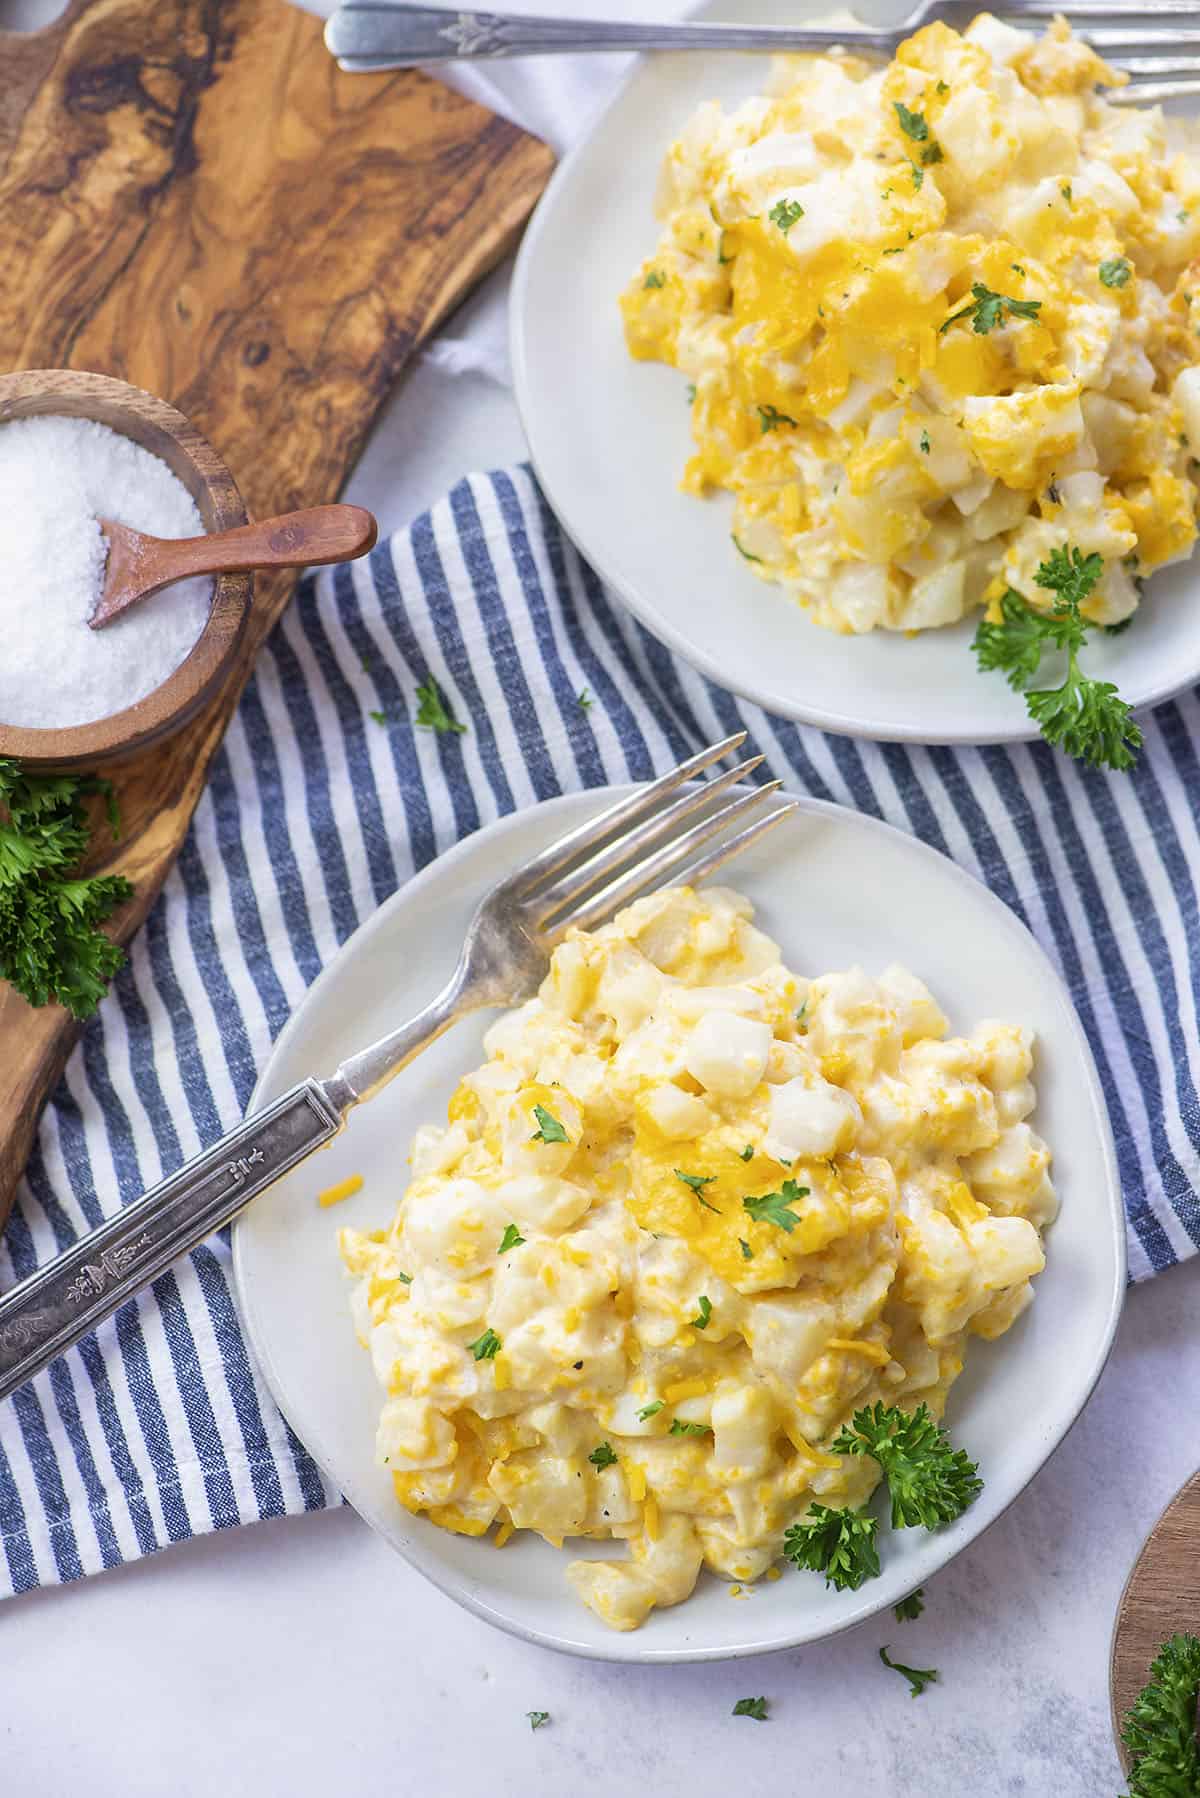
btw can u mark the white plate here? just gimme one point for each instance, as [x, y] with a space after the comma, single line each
[609, 437]
[819, 883]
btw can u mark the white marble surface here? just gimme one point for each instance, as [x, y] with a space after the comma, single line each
[302, 1655]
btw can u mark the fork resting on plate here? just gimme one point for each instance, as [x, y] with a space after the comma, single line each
[666, 832]
[1156, 42]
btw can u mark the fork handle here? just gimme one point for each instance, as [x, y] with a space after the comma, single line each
[364, 34]
[50, 1311]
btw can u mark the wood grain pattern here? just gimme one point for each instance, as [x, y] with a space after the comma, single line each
[1161, 1599]
[195, 199]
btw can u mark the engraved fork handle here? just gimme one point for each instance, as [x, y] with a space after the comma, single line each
[50, 1311]
[363, 35]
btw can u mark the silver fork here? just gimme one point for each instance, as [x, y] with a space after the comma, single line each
[658, 834]
[375, 34]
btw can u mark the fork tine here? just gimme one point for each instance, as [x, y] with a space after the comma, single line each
[621, 816]
[705, 865]
[653, 869]
[1118, 45]
[1142, 93]
[1146, 66]
[632, 845]
[1097, 9]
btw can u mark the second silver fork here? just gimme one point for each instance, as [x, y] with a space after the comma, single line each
[668, 831]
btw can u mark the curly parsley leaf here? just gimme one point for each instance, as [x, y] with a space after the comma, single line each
[1160, 1726]
[913, 124]
[703, 1313]
[537, 1719]
[838, 1543]
[775, 1207]
[910, 1608]
[930, 1482]
[512, 1239]
[986, 309]
[918, 1677]
[50, 943]
[1115, 272]
[680, 1428]
[603, 1456]
[1088, 719]
[751, 1707]
[786, 213]
[434, 714]
[484, 1347]
[549, 1129]
[697, 1183]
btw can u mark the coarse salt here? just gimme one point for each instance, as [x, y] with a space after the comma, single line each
[58, 477]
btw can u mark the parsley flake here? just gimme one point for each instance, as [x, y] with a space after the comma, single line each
[751, 1707]
[786, 213]
[679, 1428]
[549, 1129]
[941, 88]
[697, 1183]
[910, 1608]
[650, 1410]
[603, 1456]
[747, 1154]
[986, 309]
[747, 1251]
[802, 1018]
[537, 1718]
[744, 552]
[771, 419]
[704, 1312]
[924, 443]
[655, 278]
[1115, 272]
[913, 124]
[584, 700]
[1065, 191]
[774, 1207]
[691, 393]
[405, 1279]
[484, 1347]
[512, 1239]
[918, 1677]
[932, 153]
[379, 717]
[434, 714]
[918, 175]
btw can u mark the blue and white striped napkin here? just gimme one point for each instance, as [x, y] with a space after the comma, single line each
[326, 797]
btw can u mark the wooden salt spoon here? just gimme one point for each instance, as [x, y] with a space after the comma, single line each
[139, 565]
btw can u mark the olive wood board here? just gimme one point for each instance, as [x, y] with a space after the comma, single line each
[195, 199]
[1161, 1599]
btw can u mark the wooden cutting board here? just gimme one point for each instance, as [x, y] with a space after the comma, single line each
[1161, 1599]
[195, 199]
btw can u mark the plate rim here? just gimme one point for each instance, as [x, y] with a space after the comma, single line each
[641, 605]
[625, 1648]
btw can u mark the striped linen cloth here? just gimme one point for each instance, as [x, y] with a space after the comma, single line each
[326, 797]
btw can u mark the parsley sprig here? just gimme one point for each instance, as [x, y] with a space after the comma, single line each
[986, 309]
[775, 1207]
[697, 1183]
[1087, 718]
[751, 1707]
[433, 712]
[785, 213]
[918, 1677]
[603, 1456]
[930, 1481]
[838, 1543]
[1160, 1726]
[50, 943]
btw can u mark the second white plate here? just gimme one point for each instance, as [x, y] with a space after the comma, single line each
[609, 438]
[833, 889]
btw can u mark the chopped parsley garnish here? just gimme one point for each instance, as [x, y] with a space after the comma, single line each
[785, 213]
[913, 124]
[697, 1183]
[379, 717]
[691, 393]
[1087, 718]
[774, 1207]
[650, 1410]
[751, 1707]
[747, 1251]
[838, 1543]
[1017, 269]
[772, 419]
[747, 1154]
[744, 552]
[1065, 191]
[1115, 272]
[434, 714]
[484, 1347]
[404, 1279]
[1160, 1726]
[931, 153]
[703, 1313]
[918, 175]
[929, 1481]
[549, 1129]
[584, 700]
[655, 278]
[512, 1239]
[802, 1018]
[924, 443]
[679, 1428]
[986, 309]
[50, 943]
[721, 256]
[941, 88]
[910, 1608]
[603, 1456]
[918, 1677]
[537, 1718]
